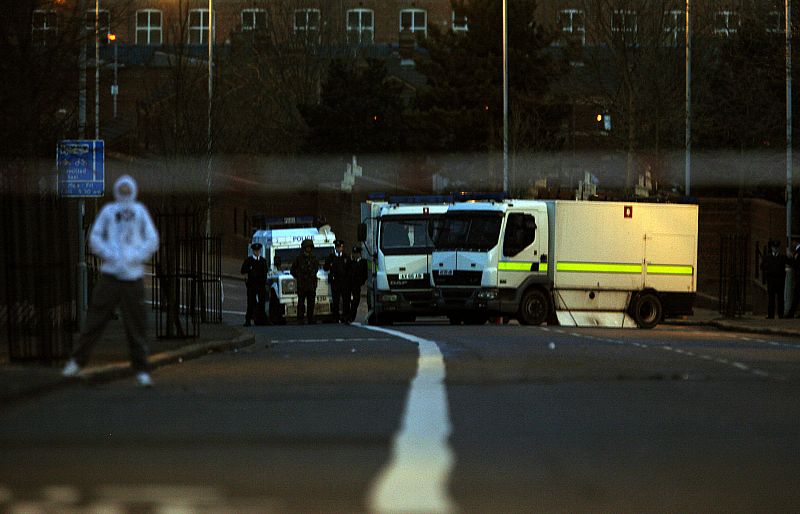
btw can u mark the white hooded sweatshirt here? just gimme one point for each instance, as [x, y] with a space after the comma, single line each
[123, 234]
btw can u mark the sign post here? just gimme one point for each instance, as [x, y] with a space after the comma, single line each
[81, 173]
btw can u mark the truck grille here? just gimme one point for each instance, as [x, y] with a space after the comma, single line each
[458, 278]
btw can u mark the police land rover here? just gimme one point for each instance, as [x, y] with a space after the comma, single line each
[281, 239]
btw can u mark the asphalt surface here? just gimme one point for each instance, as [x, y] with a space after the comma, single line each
[544, 419]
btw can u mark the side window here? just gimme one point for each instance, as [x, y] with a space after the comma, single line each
[520, 233]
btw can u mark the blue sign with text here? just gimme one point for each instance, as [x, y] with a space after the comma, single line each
[81, 167]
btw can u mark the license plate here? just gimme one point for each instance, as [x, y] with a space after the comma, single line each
[411, 276]
[446, 272]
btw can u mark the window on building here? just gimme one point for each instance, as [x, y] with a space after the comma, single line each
[306, 21]
[776, 22]
[198, 26]
[254, 19]
[103, 25]
[360, 26]
[44, 26]
[460, 22]
[572, 25]
[414, 20]
[148, 27]
[726, 23]
[675, 27]
[624, 25]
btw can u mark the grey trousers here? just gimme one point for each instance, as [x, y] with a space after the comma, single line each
[108, 293]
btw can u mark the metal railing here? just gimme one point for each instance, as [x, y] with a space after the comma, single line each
[187, 278]
[37, 302]
[733, 275]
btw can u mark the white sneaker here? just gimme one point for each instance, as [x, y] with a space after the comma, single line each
[71, 369]
[144, 380]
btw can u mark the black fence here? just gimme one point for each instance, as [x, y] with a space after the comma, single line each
[38, 307]
[187, 278]
[733, 275]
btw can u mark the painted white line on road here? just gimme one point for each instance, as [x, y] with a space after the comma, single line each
[329, 340]
[416, 477]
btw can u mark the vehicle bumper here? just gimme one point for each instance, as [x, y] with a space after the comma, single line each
[417, 303]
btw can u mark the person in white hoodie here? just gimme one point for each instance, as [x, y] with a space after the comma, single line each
[124, 237]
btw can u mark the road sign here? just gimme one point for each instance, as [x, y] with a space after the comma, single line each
[81, 167]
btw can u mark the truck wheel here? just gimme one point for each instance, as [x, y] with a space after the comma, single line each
[534, 307]
[647, 310]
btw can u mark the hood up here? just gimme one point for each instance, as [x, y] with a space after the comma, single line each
[128, 196]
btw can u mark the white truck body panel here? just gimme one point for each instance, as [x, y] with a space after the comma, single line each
[618, 245]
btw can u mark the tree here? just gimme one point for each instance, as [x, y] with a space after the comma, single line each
[360, 111]
[462, 107]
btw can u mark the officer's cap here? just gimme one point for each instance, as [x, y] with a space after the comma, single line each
[307, 243]
[338, 242]
[255, 246]
[356, 249]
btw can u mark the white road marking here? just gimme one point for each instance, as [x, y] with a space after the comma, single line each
[329, 340]
[416, 477]
[719, 360]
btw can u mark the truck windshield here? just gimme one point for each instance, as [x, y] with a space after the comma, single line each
[478, 231]
[406, 236]
[288, 255]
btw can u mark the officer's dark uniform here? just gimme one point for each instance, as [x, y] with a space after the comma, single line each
[256, 270]
[304, 270]
[358, 276]
[795, 263]
[338, 265]
[774, 273]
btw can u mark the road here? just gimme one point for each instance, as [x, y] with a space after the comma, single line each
[334, 418]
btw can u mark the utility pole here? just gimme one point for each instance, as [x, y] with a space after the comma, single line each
[688, 135]
[82, 280]
[210, 97]
[505, 96]
[788, 13]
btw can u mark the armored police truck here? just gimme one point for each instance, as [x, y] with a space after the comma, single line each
[397, 238]
[281, 240]
[578, 263]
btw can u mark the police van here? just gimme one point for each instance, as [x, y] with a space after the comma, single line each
[281, 240]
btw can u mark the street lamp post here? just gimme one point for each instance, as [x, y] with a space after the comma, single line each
[505, 96]
[688, 135]
[788, 14]
[115, 86]
[210, 96]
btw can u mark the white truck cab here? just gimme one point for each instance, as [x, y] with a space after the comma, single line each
[575, 262]
[281, 247]
[397, 238]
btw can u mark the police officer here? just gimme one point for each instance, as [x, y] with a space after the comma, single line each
[774, 274]
[358, 276]
[304, 270]
[338, 265]
[255, 267]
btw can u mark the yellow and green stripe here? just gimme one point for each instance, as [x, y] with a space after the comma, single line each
[521, 266]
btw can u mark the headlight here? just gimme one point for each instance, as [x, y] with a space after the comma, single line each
[289, 286]
[388, 297]
[487, 294]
